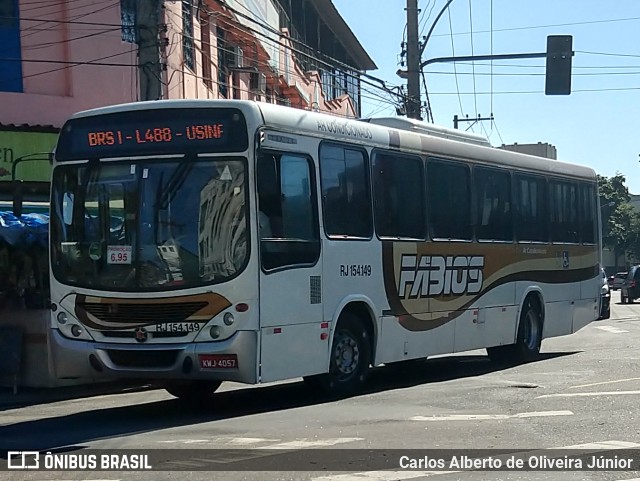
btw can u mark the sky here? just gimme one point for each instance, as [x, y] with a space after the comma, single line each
[597, 125]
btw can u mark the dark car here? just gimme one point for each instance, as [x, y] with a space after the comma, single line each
[605, 294]
[630, 289]
[616, 281]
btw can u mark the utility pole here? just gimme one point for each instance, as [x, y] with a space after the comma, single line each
[149, 68]
[413, 61]
[457, 120]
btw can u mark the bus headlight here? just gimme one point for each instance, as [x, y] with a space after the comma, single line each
[228, 319]
[62, 317]
[76, 330]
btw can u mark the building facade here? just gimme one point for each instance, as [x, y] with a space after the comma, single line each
[63, 56]
[540, 149]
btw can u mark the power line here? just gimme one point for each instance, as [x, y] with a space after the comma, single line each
[335, 62]
[491, 50]
[495, 125]
[34, 30]
[538, 67]
[475, 100]
[72, 66]
[518, 92]
[532, 74]
[67, 62]
[609, 54]
[453, 53]
[61, 6]
[422, 23]
[265, 64]
[64, 22]
[553, 25]
[51, 44]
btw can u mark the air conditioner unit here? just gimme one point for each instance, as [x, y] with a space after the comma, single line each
[258, 82]
[236, 57]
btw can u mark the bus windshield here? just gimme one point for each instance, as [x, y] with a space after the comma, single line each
[149, 225]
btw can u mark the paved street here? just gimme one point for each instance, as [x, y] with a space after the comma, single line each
[584, 392]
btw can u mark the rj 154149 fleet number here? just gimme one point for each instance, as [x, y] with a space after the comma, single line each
[355, 270]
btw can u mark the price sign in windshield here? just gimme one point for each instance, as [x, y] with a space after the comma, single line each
[119, 254]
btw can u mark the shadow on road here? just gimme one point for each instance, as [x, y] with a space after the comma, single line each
[86, 426]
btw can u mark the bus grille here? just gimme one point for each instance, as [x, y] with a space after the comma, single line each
[142, 312]
[148, 359]
[154, 335]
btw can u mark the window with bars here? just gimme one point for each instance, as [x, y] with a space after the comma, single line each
[205, 39]
[128, 21]
[223, 72]
[338, 82]
[188, 47]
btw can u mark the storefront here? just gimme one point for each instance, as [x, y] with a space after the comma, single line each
[24, 267]
[27, 149]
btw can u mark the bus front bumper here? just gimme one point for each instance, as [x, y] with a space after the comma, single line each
[234, 359]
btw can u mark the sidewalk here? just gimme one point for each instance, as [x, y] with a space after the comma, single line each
[34, 396]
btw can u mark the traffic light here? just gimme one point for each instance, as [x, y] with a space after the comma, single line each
[559, 54]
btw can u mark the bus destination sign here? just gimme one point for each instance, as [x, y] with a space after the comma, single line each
[100, 138]
[149, 132]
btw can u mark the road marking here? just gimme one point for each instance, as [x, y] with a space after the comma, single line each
[486, 417]
[605, 382]
[590, 394]
[186, 441]
[218, 441]
[401, 475]
[314, 443]
[249, 441]
[611, 329]
[603, 445]
[382, 475]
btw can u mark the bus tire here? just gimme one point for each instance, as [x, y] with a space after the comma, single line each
[529, 340]
[193, 391]
[349, 360]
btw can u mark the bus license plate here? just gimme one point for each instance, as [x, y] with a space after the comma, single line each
[218, 361]
[178, 327]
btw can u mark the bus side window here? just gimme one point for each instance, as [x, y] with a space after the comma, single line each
[346, 191]
[287, 215]
[269, 213]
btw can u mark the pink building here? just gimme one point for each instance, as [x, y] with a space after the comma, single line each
[62, 56]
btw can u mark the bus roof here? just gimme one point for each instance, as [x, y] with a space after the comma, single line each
[391, 133]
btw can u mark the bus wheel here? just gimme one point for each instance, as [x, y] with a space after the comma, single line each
[350, 359]
[193, 391]
[527, 346]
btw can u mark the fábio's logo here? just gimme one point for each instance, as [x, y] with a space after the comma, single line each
[430, 276]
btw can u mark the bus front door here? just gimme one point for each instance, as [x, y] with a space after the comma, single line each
[291, 331]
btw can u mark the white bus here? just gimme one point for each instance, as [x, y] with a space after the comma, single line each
[201, 241]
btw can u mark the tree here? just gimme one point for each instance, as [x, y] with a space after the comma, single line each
[620, 220]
